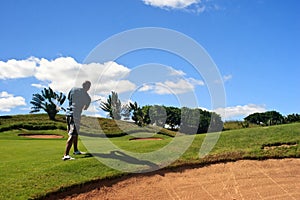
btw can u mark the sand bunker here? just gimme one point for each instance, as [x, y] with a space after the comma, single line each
[149, 138]
[269, 179]
[45, 136]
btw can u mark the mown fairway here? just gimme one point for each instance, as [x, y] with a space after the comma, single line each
[32, 168]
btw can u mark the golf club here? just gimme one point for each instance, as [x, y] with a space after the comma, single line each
[95, 100]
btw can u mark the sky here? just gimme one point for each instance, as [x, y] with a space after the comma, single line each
[253, 44]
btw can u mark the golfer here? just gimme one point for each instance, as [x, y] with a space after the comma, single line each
[79, 100]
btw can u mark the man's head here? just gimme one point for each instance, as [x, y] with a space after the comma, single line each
[86, 85]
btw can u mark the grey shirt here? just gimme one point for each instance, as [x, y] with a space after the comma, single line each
[78, 99]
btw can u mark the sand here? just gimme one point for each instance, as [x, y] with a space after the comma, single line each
[245, 179]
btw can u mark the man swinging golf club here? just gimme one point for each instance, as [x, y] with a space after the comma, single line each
[79, 100]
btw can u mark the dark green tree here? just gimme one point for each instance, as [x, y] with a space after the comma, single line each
[273, 118]
[266, 118]
[291, 118]
[199, 121]
[49, 101]
[204, 121]
[113, 106]
[126, 112]
[255, 118]
[146, 114]
[158, 115]
[173, 117]
[216, 123]
[189, 120]
[137, 114]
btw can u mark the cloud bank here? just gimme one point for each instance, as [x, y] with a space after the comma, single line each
[239, 111]
[9, 101]
[17, 68]
[174, 4]
[194, 6]
[63, 73]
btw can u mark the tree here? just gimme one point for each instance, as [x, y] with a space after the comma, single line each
[49, 101]
[204, 121]
[173, 117]
[267, 118]
[216, 123]
[199, 121]
[189, 120]
[292, 118]
[146, 114]
[157, 115]
[113, 106]
[126, 111]
[138, 114]
[273, 118]
[255, 118]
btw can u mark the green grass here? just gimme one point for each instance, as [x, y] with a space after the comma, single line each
[117, 128]
[31, 168]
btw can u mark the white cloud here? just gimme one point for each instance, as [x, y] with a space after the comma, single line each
[174, 4]
[146, 87]
[38, 85]
[195, 82]
[174, 72]
[180, 86]
[227, 77]
[61, 74]
[17, 68]
[64, 73]
[9, 101]
[193, 6]
[224, 79]
[239, 111]
[175, 82]
[106, 77]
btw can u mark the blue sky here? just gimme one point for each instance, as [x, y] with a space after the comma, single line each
[254, 43]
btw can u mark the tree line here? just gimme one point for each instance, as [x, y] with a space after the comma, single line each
[186, 120]
[270, 118]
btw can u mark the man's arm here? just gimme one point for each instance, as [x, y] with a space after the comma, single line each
[86, 106]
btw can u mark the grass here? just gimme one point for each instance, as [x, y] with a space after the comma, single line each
[117, 128]
[31, 168]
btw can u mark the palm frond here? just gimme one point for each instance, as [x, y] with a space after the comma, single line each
[48, 101]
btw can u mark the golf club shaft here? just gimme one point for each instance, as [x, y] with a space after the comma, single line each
[96, 100]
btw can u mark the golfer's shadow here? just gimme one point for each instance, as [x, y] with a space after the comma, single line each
[118, 155]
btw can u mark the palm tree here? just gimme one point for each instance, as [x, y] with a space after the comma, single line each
[49, 101]
[113, 106]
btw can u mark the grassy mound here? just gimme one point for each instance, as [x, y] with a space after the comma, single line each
[31, 122]
[89, 125]
[117, 128]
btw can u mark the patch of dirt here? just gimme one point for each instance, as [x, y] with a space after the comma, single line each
[275, 146]
[43, 136]
[245, 179]
[149, 138]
